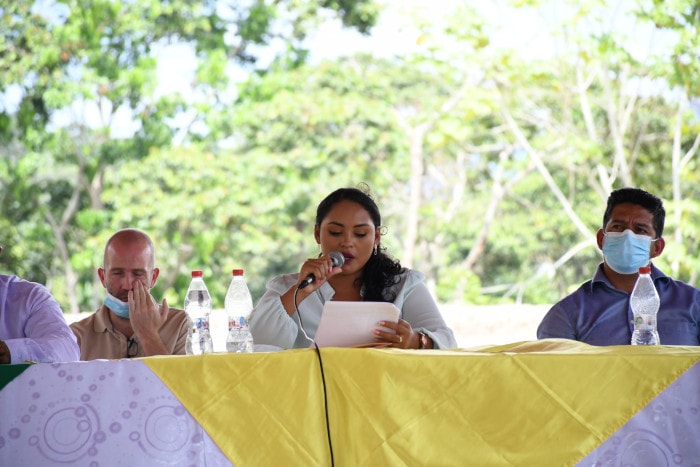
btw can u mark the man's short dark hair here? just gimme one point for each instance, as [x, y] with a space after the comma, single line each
[641, 198]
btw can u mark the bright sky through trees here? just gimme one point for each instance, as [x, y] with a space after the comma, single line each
[490, 140]
[529, 32]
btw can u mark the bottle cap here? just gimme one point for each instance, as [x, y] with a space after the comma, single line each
[237, 272]
[197, 273]
[645, 270]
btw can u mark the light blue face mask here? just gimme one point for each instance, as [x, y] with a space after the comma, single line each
[626, 252]
[119, 308]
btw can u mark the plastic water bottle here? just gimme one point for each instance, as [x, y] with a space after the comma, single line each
[644, 302]
[238, 305]
[198, 308]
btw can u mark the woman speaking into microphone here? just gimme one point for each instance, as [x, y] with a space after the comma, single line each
[352, 266]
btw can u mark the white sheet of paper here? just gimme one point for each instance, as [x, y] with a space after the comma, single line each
[348, 324]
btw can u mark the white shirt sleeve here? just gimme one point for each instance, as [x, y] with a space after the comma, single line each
[420, 310]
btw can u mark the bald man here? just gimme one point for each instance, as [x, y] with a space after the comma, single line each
[130, 323]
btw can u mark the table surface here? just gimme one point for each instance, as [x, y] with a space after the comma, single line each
[549, 402]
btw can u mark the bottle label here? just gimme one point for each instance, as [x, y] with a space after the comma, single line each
[644, 322]
[202, 324]
[237, 322]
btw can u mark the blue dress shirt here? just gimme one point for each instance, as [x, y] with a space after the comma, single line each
[599, 314]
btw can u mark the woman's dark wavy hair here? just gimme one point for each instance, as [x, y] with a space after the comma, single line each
[381, 271]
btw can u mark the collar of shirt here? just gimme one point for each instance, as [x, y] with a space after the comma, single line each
[102, 322]
[600, 279]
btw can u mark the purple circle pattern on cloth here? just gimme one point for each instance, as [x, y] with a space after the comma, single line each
[68, 415]
[664, 433]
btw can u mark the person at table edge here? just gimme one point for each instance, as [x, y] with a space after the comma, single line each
[599, 313]
[32, 326]
[130, 323]
[348, 221]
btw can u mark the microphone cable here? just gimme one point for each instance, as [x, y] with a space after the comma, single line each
[323, 378]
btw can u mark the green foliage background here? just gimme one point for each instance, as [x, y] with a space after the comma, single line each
[491, 165]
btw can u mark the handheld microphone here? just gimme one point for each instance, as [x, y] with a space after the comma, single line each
[337, 259]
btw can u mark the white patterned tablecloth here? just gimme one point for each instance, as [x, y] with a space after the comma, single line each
[111, 415]
[664, 433]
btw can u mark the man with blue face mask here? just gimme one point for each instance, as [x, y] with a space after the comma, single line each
[130, 323]
[598, 313]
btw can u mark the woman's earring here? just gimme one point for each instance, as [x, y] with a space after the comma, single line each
[375, 249]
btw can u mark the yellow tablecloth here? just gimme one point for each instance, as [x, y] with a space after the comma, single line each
[536, 403]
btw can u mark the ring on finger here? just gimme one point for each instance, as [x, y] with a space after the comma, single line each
[400, 339]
